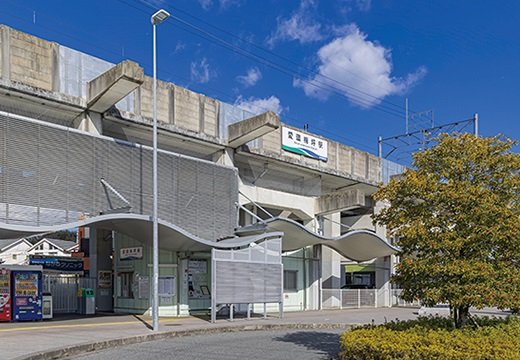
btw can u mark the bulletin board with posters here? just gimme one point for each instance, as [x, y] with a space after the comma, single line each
[198, 279]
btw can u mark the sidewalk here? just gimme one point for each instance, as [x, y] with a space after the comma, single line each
[20, 340]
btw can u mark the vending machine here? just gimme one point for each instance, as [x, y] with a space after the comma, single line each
[5, 294]
[26, 295]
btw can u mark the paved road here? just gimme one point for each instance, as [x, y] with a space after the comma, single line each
[64, 332]
[265, 345]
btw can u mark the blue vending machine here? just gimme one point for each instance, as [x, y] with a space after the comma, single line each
[26, 294]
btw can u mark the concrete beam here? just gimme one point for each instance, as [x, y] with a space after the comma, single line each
[246, 130]
[113, 85]
[339, 201]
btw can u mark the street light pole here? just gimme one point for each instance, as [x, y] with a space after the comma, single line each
[156, 19]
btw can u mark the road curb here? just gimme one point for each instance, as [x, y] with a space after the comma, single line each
[73, 350]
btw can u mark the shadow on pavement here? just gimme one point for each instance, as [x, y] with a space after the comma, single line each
[324, 342]
[145, 323]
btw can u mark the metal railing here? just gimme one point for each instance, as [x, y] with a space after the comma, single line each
[397, 300]
[349, 298]
[363, 298]
[64, 291]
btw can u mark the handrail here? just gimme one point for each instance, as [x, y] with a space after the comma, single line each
[250, 213]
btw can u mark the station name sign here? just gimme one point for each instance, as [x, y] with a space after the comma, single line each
[304, 144]
[131, 253]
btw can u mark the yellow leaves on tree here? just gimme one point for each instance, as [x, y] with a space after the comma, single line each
[456, 218]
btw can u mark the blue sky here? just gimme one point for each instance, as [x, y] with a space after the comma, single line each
[344, 67]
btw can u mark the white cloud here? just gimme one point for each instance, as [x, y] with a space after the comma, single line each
[200, 71]
[364, 67]
[363, 5]
[179, 47]
[300, 26]
[251, 78]
[206, 4]
[347, 6]
[258, 106]
[223, 4]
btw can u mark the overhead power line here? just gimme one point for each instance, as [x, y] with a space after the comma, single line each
[283, 58]
[360, 97]
[226, 95]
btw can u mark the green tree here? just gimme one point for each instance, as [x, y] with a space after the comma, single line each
[456, 218]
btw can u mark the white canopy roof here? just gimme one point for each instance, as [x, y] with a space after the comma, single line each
[140, 226]
[357, 245]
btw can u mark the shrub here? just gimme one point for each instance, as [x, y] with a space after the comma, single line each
[433, 338]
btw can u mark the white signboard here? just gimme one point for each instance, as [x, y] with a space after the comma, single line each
[131, 253]
[304, 144]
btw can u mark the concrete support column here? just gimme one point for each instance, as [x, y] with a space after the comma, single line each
[316, 295]
[383, 268]
[183, 306]
[100, 250]
[104, 295]
[331, 224]
[383, 295]
[90, 122]
[330, 259]
[224, 157]
[330, 268]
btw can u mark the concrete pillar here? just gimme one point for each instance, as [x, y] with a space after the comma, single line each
[383, 268]
[315, 295]
[90, 122]
[92, 250]
[183, 306]
[383, 295]
[104, 296]
[330, 268]
[100, 249]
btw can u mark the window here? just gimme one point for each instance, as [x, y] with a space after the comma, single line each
[14, 256]
[290, 280]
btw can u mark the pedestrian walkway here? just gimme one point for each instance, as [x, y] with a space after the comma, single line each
[27, 339]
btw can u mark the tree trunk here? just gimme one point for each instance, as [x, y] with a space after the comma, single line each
[462, 316]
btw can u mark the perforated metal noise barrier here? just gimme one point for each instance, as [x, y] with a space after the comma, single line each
[52, 175]
[251, 275]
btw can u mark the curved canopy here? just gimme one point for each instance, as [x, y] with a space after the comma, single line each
[139, 226]
[357, 245]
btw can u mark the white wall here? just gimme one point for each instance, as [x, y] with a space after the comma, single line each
[16, 255]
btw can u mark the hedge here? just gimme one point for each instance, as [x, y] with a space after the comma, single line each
[433, 338]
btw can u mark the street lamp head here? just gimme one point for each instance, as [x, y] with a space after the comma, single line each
[160, 16]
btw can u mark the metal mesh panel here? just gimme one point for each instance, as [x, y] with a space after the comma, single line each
[50, 175]
[252, 275]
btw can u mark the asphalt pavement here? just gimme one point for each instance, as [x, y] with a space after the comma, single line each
[252, 345]
[72, 335]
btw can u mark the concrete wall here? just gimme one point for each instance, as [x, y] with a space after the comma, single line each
[39, 63]
[342, 159]
[302, 206]
[28, 59]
